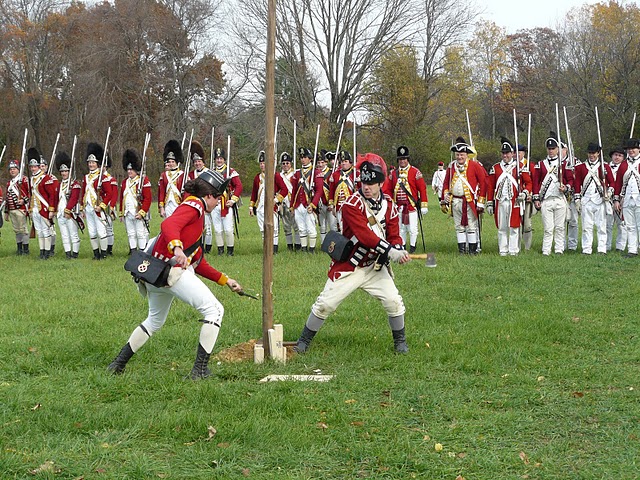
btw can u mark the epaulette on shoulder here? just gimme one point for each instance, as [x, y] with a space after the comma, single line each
[195, 203]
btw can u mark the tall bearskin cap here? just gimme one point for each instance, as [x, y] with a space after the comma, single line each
[95, 152]
[172, 151]
[131, 160]
[63, 162]
[197, 151]
[33, 156]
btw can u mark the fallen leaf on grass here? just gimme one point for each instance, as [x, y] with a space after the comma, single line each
[46, 467]
[438, 447]
[163, 475]
[246, 472]
[462, 455]
[540, 378]
[427, 345]
[322, 425]
[351, 401]
[385, 404]
[357, 424]
[451, 454]
[36, 406]
[575, 319]
[524, 458]
[212, 432]
[100, 470]
[577, 394]
[32, 349]
[223, 445]
[460, 477]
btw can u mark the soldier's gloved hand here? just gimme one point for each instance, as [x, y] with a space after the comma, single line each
[398, 256]
[424, 211]
[578, 205]
[522, 197]
[610, 192]
[444, 206]
[251, 211]
[490, 208]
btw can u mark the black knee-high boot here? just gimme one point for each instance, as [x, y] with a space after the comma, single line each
[399, 341]
[200, 368]
[120, 362]
[305, 340]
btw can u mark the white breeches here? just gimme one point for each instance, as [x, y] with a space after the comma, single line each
[276, 227]
[136, 231]
[594, 215]
[378, 284]
[508, 237]
[326, 219]
[97, 229]
[410, 229]
[621, 231]
[468, 233]
[631, 216]
[554, 215]
[306, 226]
[223, 225]
[69, 233]
[169, 208]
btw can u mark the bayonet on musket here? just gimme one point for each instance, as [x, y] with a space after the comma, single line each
[335, 161]
[53, 155]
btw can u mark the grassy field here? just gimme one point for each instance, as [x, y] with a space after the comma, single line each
[520, 367]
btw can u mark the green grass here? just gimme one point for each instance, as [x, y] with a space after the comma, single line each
[520, 367]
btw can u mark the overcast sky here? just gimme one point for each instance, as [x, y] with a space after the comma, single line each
[521, 14]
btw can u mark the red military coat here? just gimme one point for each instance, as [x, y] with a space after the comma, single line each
[234, 190]
[106, 191]
[183, 229]
[476, 177]
[72, 195]
[341, 186]
[44, 193]
[281, 190]
[581, 173]
[355, 219]
[496, 180]
[18, 190]
[145, 204]
[540, 172]
[168, 189]
[414, 184]
[304, 184]
[622, 178]
[322, 191]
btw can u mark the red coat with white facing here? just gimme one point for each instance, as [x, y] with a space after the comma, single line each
[413, 182]
[106, 192]
[143, 208]
[44, 187]
[74, 196]
[496, 184]
[234, 190]
[475, 175]
[304, 186]
[17, 191]
[281, 190]
[355, 219]
[581, 172]
[183, 229]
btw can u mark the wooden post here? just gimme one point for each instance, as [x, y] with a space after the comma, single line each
[267, 257]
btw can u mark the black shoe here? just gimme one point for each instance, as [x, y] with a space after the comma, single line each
[220, 250]
[412, 249]
[275, 249]
[120, 362]
[42, 254]
[298, 247]
[109, 251]
[229, 251]
[207, 249]
[630, 255]
[290, 247]
[68, 255]
[74, 255]
[96, 254]
[312, 249]
[25, 249]
[399, 341]
[19, 251]
[462, 248]
[473, 249]
[200, 370]
[304, 341]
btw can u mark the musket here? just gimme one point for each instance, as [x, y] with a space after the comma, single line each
[187, 165]
[469, 128]
[295, 150]
[213, 130]
[633, 124]
[184, 137]
[559, 146]
[335, 161]
[315, 154]
[18, 178]
[275, 146]
[569, 142]
[53, 155]
[228, 153]
[71, 172]
[145, 219]
[515, 133]
[105, 215]
[602, 168]
[529, 145]
[355, 154]
[234, 207]
[2, 154]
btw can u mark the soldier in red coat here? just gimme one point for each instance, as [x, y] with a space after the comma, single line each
[320, 202]
[256, 205]
[95, 200]
[135, 201]
[549, 196]
[17, 200]
[341, 185]
[626, 198]
[614, 218]
[370, 218]
[224, 215]
[179, 243]
[410, 194]
[288, 218]
[464, 195]
[593, 193]
[171, 180]
[68, 206]
[197, 160]
[44, 202]
[305, 184]
[509, 186]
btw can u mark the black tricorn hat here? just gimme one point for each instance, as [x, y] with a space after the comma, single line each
[285, 157]
[63, 161]
[461, 145]
[593, 148]
[632, 143]
[402, 152]
[172, 151]
[197, 151]
[131, 160]
[552, 140]
[323, 154]
[507, 146]
[330, 156]
[33, 156]
[95, 152]
[619, 150]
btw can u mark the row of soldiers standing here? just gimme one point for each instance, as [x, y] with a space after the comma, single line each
[605, 194]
